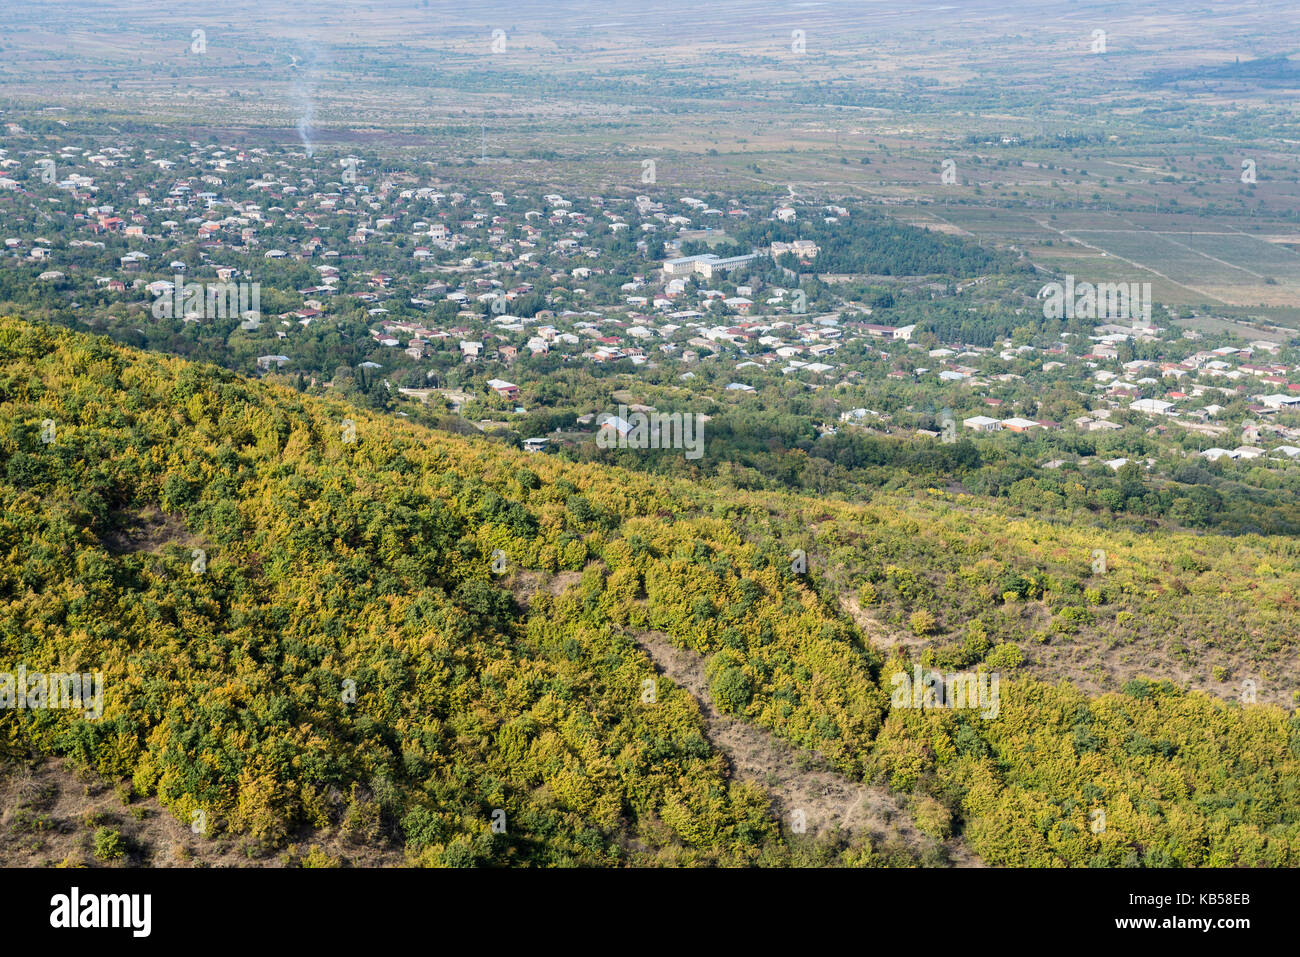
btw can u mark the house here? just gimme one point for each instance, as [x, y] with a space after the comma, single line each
[1151, 406]
[507, 390]
[982, 423]
[615, 424]
[1017, 424]
[1103, 425]
[535, 444]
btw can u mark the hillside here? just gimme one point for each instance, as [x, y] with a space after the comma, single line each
[316, 618]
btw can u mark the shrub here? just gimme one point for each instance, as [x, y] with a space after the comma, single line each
[731, 690]
[922, 622]
[317, 857]
[932, 818]
[422, 828]
[1005, 657]
[109, 844]
[458, 854]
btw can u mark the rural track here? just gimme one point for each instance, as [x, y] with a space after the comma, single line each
[796, 780]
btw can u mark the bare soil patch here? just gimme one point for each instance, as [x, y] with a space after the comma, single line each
[797, 780]
[525, 584]
[878, 635]
[146, 530]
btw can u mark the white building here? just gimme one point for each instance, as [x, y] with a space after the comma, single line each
[982, 423]
[1151, 406]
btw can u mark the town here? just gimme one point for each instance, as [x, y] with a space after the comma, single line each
[445, 296]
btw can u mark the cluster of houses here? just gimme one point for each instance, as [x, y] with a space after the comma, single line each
[688, 337]
[489, 276]
[1190, 393]
[475, 250]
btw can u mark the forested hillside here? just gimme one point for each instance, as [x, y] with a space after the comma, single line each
[310, 615]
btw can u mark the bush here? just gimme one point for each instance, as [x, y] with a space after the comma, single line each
[109, 844]
[317, 857]
[731, 690]
[422, 828]
[1005, 657]
[932, 818]
[977, 642]
[458, 854]
[922, 622]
